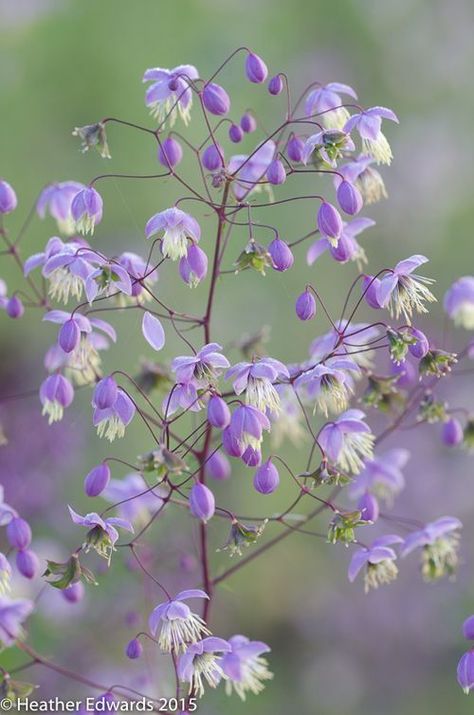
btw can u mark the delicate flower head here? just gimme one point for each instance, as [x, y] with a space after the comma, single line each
[102, 535]
[179, 626]
[138, 502]
[193, 266]
[382, 475]
[86, 210]
[178, 227]
[215, 99]
[362, 174]
[247, 425]
[255, 68]
[56, 200]
[170, 93]
[201, 663]
[66, 266]
[439, 541]
[465, 671]
[8, 200]
[244, 666]
[266, 478]
[326, 102]
[348, 440]
[329, 384]
[459, 302]
[111, 421]
[379, 561]
[56, 393]
[13, 612]
[347, 247]
[256, 379]
[368, 123]
[202, 368]
[403, 291]
[250, 170]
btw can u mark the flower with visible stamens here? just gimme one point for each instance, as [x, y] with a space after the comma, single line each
[13, 612]
[86, 210]
[329, 384]
[367, 179]
[379, 562]
[368, 123]
[5, 574]
[178, 228]
[56, 394]
[246, 427]
[103, 534]
[202, 368]
[170, 93]
[347, 247]
[325, 101]
[403, 291]
[201, 663]
[111, 421]
[348, 441]
[56, 199]
[179, 626]
[244, 666]
[459, 302]
[256, 379]
[439, 542]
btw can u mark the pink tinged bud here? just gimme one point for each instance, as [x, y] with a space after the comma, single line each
[252, 457]
[281, 255]
[8, 200]
[193, 266]
[213, 157]
[231, 445]
[27, 563]
[255, 68]
[218, 413]
[369, 507]
[105, 393]
[266, 478]
[295, 149]
[14, 307]
[202, 502]
[69, 335]
[276, 173]
[329, 221]
[170, 152]
[422, 345]
[97, 480]
[468, 628]
[235, 133]
[306, 306]
[218, 466]
[349, 198]
[74, 593]
[275, 85]
[452, 432]
[248, 123]
[134, 649]
[215, 99]
[369, 291]
[18, 533]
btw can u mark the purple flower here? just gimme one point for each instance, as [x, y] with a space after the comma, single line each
[218, 413]
[18, 533]
[252, 457]
[421, 346]
[305, 305]
[56, 393]
[236, 134]
[465, 671]
[153, 331]
[218, 466]
[381, 475]
[255, 68]
[103, 533]
[213, 157]
[201, 662]
[179, 626]
[256, 379]
[349, 198]
[97, 480]
[184, 395]
[170, 152]
[295, 149]
[86, 210]
[368, 123]
[138, 502]
[325, 98]
[170, 93]
[193, 266]
[231, 444]
[201, 502]
[276, 173]
[329, 222]
[246, 427]
[452, 432]
[266, 479]
[468, 628]
[403, 291]
[109, 277]
[8, 200]
[134, 649]
[201, 368]
[56, 200]
[27, 563]
[74, 593]
[329, 384]
[244, 666]
[177, 227]
[140, 271]
[368, 507]
[12, 614]
[248, 123]
[111, 421]
[105, 393]
[275, 85]
[439, 543]
[459, 302]
[281, 255]
[367, 179]
[215, 99]
[250, 171]
[347, 247]
[14, 307]
[347, 441]
[378, 561]
[65, 265]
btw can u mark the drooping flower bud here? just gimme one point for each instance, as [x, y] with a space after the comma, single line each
[252, 457]
[468, 628]
[419, 348]
[295, 149]
[306, 306]
[86, 210]
[349, 198]
[56, 393]
[465, 672]
[69, 335]
[231, 444]
[282, 257]
[8, 200]
[105, 393]
[275, 85]
[14, 307]
[248, 123]
[235, 133]
[134, 649]
[452, 432]
[74, 593]
[218, 413]
[266, 478]
[170, 153]
[329, 222]
[27, 563]
[218, 466]
[276, 173]
[368, 507]
[193, 266]
[215, 99]
[202, 502]
[255, 68]
[213, 157]
[18, 533]
[97, 480]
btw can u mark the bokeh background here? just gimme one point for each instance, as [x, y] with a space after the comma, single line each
[65, 63]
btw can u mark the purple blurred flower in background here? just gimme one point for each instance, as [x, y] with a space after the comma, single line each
[244, 666]
[459, 302]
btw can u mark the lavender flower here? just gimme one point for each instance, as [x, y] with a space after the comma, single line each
[244, 666]
[465, 671]
[329, 222]
[18, 533]
[193, 266]
[349, 198]
[362, 174]
[439, 542]
[249, 171]
[403, 291]
[256, 379]
[382, 475]
[266, 479]
[56, 393]
[276, 173]
[153, 331]
[215, 99]
[347, 247]
[246, 427]
[97, 480]
[281, 255]
[201, 502]
[255, 68]
[305, 305]
[202, 368]
[378, 560]
[323, 99]
[459, 302]
[65, 265]
[218, 466]
[134, 649]
[8, 199]
[177, 227]
[111, 421]
[329, 384]
[102, 535]
[14, 307]
[295, 149]
[86, 210]
[201, 662]
[170, 93]
[170, 153]
[218, 413]
[236, 133]
[179, 626]
[348, 441]
[275, 85]
[109, 277]
[74, 593]
[368, 123]
[56, 200]
[27, 563]
[452, 432]
[213, 157]
[13, 612]
[248, 123]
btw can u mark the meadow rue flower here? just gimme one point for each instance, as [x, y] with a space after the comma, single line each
[109, 277]
[111, 421]
[202, 503]
[275, 85]
[97, 480]
[465, 671]
[138, 502]
[218, 413]
[349, 198]
[325, 98]
[347, 247]
[56, 394]
[236, 133]
[329, 384]
[348, 441]
[403, 291]
[170, 95]
[276, 173]
[201, 663]
[213, 157]
[86, 210]
[93, 136]
[170, 153]
[184, 395]
[134, 649]
[193, 266]
[215, 99]
[18, 533]
[178, 625]
[329, 222]
[244, 666]
[378, 560]
[368, 123]
[368, 507]
[255, 68]
[452, 432]
[13, 613]
[27, 563]
[305, 305]
[66, 266]
[421, 344]
[102, 535]
[56, 200]
[281, 255]
[105, 393]
[326, 147]
[256, 379]
[5, 574]
[231, 444]
[218, 466]
[248, 123]
[295, 149]
[246, 427]
[8, 199]
[178, 227]
[459, 302]
[287, 423]
[439, 542]
[142, 275]
[266, 478]
[250, 170]
[382, 475]
[362, 174]
[201, 368]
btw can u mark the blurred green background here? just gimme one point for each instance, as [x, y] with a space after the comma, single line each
[65, 63]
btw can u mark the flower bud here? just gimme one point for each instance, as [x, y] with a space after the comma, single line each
[14, 307]
[421, 346]
[134, 649]
[369, 291]
[266, 478]
[193, 266]
[255, 68]
[252, 457]
[452, 432]
[8, 200]
[329, 221]
[248, 123]
[18, 533]
[295, 149]
[275, 85]
[202, 502]
[97, 480]
[218, 466]
[215, 99]
[235, 133]
[74, 593]
[305, 306]
[282, 257]
[69, 335]
[170, 152]
[349, 198]
[368, 507]
[218, 413]
[231, 444]
[276, 173]
[27, 563]
[213, 157]
[105, 393]
[86, 210]
[465, 672]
